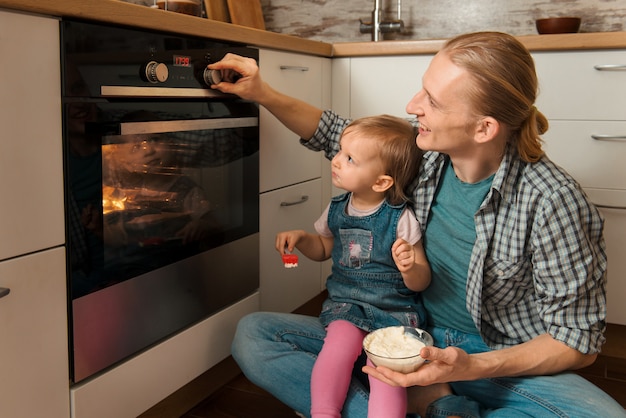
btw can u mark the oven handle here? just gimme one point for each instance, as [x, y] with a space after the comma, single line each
[158, 92]
[138, 128]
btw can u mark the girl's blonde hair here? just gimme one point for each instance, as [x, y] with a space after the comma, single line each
[505, 86]
[397, 150]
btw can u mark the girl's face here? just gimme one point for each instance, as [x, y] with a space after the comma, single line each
[357, 165]
[443, 110]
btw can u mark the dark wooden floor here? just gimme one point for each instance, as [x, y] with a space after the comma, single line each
[226, 393]
[241, 399]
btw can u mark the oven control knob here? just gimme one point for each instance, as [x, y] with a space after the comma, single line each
[212, 77]
[156, 72]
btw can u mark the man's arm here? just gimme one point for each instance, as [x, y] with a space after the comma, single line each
[543, 355]
[298, 116]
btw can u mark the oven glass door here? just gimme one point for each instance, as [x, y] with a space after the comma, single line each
[162, 220]
[154, 183]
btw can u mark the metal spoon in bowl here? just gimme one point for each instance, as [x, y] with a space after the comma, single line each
[420, 334]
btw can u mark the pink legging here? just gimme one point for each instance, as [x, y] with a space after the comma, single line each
[332, 373]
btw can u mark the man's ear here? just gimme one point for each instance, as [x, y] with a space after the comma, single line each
[383, 183]
[487, 128]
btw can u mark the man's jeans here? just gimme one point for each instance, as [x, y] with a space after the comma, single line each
[276, 352]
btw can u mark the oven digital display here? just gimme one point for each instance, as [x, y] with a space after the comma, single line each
[182, 61]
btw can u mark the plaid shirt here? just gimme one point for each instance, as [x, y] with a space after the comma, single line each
[538, 264]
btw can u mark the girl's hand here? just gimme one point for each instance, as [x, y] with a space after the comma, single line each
[286, 241]
[403, 255]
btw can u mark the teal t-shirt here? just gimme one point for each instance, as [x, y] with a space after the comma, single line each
[448, 241]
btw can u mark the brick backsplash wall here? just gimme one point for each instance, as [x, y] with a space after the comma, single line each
[339, 20]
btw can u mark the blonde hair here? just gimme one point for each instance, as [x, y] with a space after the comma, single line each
[505, 86]
[397, 150]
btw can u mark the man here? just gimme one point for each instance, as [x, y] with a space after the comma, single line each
[517, 298]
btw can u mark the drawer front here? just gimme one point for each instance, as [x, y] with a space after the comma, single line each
[34, 366]
[595, 163]
[293, 207]
[571, 88]
[283, 160]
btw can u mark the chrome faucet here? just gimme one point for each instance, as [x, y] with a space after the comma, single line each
[377, 25]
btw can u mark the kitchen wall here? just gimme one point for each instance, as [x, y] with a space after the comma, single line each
[338, 20]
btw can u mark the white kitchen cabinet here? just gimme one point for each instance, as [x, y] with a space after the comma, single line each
[571, 88]
[383, 85]
[595, 163]
[283, 160]
[586, 108]
[33, 348]
[31, 162]
[33, 315]
[293, 207]
[294, 181]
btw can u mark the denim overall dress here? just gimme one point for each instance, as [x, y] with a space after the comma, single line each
[365, 287]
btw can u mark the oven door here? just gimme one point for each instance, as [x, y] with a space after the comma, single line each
[162, 219]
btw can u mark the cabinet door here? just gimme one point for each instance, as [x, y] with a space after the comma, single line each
[570, 86]
[33, 348]
[283, 160]
[615, 236]
[294, 207]
[612, 204]
[381, 85]
[31, 161]
[598, 166]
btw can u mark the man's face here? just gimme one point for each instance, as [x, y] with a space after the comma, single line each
[443, 109]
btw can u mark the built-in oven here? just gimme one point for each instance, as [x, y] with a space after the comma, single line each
[161, 189]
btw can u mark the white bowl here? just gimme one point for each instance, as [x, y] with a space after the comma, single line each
[397, 348]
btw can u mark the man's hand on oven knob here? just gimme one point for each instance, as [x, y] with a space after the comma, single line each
[156, 72]
[214, 77]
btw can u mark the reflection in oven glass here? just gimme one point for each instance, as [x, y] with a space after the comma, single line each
[164, 197]
[150, 204]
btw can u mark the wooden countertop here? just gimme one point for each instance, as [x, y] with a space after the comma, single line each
[128, 14]
[570, 41]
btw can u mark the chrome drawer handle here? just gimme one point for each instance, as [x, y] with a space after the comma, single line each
[609, 137]
[611, 207]
[297, 202]
[610, 67]
[4, 291]
[294, 68]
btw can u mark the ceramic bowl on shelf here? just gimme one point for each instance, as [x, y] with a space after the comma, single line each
[558, 25]
[397, 348]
